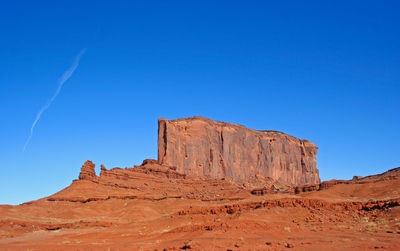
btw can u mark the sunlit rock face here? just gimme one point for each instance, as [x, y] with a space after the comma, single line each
[202, 147]
[87, 171]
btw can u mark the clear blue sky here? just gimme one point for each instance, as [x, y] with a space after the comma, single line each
[327, 71]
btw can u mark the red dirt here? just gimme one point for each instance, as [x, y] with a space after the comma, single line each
[153, 207]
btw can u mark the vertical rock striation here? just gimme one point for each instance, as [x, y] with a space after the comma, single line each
[87, 171]
[198, 146]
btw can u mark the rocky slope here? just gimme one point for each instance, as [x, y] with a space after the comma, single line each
[201, 147]
[154, 207]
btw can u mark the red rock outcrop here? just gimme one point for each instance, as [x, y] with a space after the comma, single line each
[87, 171]
[149, 181]
[391, 174]
[202, 147]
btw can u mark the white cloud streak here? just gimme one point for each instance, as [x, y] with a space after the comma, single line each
[67, 74]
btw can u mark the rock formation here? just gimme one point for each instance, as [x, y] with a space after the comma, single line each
[198, 146]
[155, 206]
[87, 171]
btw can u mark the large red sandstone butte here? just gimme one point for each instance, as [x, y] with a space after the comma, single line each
[198, 146]
[160, 206]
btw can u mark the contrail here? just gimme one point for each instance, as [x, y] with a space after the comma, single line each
[67, 74]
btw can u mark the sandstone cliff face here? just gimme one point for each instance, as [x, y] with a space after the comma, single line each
[202, 147]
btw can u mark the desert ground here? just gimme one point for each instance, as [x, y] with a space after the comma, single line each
[153, 207]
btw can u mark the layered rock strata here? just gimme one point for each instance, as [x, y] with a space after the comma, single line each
[198, 146]
[87, 171]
